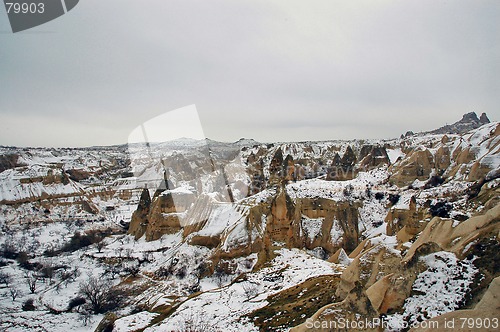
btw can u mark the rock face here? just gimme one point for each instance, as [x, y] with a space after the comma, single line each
[373, 156]
[379, 278]
[442, 233]
[139, 222]
[282, 226]
[417, 166]
[159, 216]
[405, 220]
[8, 161]
[316, 221]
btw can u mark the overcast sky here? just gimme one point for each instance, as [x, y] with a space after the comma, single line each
[268, 70]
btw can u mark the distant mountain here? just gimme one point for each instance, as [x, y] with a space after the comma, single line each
[469, 121]
[247, 142]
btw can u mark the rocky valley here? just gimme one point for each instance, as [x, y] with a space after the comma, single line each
[199, 235]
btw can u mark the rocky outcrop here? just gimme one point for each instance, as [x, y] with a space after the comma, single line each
[342, 169]
[139, 222]
[368, 267]
[166, 213]
[379, 279]
[332, 217]
[282, 225]
[418, 165]
[372, 156]
[442, 159]
[468, 122]
[457, 238]
[276, 168]
[78, 174]
[160, 216]
[409, 220]
[333, 317]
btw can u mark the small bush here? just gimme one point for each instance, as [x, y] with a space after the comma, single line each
[5, 278]
[132, 268]
[394, 198]
[441, 209]
[22, 259]
[434, 181]
[163, 272]
[75, 302]
[29, 305]
[79, 240]
[181, 273]
[9, 249]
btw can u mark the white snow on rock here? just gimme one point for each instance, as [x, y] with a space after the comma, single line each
[394, 154]
[335, 190]
[439, 289]
[312, 227]
[134, 322]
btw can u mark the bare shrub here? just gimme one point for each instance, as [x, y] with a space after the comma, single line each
[100, 295]
[70, 276]
[250, 289]
[14, 293]
[220, 277]
[75, 303]
[132, 268]
[48, 269]
[195, 322]
[31, 280]
[5, 278]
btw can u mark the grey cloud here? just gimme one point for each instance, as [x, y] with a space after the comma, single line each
[275, 71]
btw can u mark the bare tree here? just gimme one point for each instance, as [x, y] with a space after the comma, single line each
[132, 267]
[14, 293]
[220, 277]
[100, 245]
[47, 270]
[86, 318]
[195, 322]
[251, 290]
[99, 294]
[70, 276]
[31, 279]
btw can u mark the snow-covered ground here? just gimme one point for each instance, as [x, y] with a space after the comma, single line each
[225, 308]
[438, 290]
